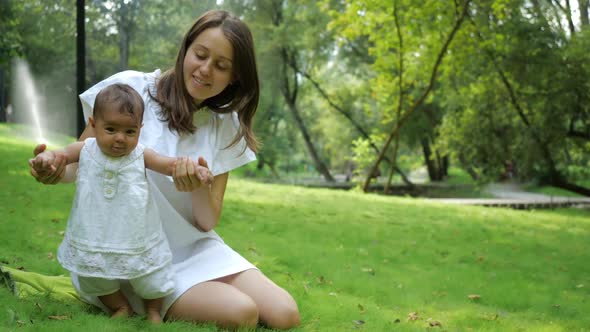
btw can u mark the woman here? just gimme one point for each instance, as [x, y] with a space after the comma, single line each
[202, 107]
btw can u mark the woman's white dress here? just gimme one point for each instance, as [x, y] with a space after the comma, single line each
[196, 256]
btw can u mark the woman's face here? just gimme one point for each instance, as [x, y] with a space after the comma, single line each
[207, 67]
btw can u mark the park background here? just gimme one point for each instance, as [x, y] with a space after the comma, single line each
[429, 99]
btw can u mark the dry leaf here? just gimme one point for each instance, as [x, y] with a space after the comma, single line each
[490, 316]
[474, 297]
[359, 322]
[412, 316]
[361, 308]
[49, 255]
[63, 317]
[306, 288]
[434, 323]
[321, 280]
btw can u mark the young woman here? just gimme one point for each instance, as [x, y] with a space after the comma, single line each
[202, 107]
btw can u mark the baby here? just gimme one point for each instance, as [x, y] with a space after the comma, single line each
[114, 231]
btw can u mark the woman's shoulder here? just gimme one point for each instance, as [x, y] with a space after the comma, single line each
[136, 79]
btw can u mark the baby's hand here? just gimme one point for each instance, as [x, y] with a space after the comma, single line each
[44, 162]
[203, 173]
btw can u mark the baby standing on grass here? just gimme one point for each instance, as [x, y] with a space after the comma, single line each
[114, 231]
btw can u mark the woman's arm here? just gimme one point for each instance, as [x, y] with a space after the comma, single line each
[207, 202]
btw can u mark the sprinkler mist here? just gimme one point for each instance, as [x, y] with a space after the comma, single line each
[30, 98]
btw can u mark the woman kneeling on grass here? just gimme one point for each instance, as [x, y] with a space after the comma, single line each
[202, 107]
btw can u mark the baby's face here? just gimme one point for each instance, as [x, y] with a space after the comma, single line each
[117, 133]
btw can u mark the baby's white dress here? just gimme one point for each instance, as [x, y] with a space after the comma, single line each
[196, 256]
[113, 230]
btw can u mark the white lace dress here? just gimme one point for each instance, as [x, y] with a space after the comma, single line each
[113, 230]
[196, 256]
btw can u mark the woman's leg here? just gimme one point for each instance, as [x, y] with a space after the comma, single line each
[214, 301]
[276, 307]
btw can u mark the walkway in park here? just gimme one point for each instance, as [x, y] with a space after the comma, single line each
[511, 195]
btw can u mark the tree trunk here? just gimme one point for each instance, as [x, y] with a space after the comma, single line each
[80, 63]
[563, 184]
[123, 49]
[347, 114]
[319, 164]
[583, 4]
[2, 96]
[124, 25]
[425, 94]
[434, 164]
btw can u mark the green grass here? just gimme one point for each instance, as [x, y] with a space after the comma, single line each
[345, 256]
[551, 191]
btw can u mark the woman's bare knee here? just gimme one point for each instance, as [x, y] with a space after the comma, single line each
[283, 316]
[243, 312]
[215, 302]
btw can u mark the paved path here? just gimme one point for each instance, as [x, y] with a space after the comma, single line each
[511, 195]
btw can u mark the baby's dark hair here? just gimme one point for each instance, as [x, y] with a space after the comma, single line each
[121, 96]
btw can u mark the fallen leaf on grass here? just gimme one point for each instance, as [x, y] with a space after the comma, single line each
[490, 316]
[412, 316]
[49, 255]
[474, 297]
[359, 322]
[433, 323]
[368, 270]
[62, 317]
[55, 220]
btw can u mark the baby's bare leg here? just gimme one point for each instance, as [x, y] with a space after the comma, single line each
[152, 309]
[118, 304]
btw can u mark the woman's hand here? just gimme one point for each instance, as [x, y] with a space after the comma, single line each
[47, 167]
[189, 175]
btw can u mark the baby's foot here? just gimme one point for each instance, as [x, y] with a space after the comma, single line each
[122, 312]
[154, 317]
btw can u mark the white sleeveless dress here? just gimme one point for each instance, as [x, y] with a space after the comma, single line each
[196, 256]
[114, 230]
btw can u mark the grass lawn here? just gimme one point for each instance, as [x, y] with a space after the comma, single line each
[352, 261]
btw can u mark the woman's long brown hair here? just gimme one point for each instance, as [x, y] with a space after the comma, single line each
[240, 96]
